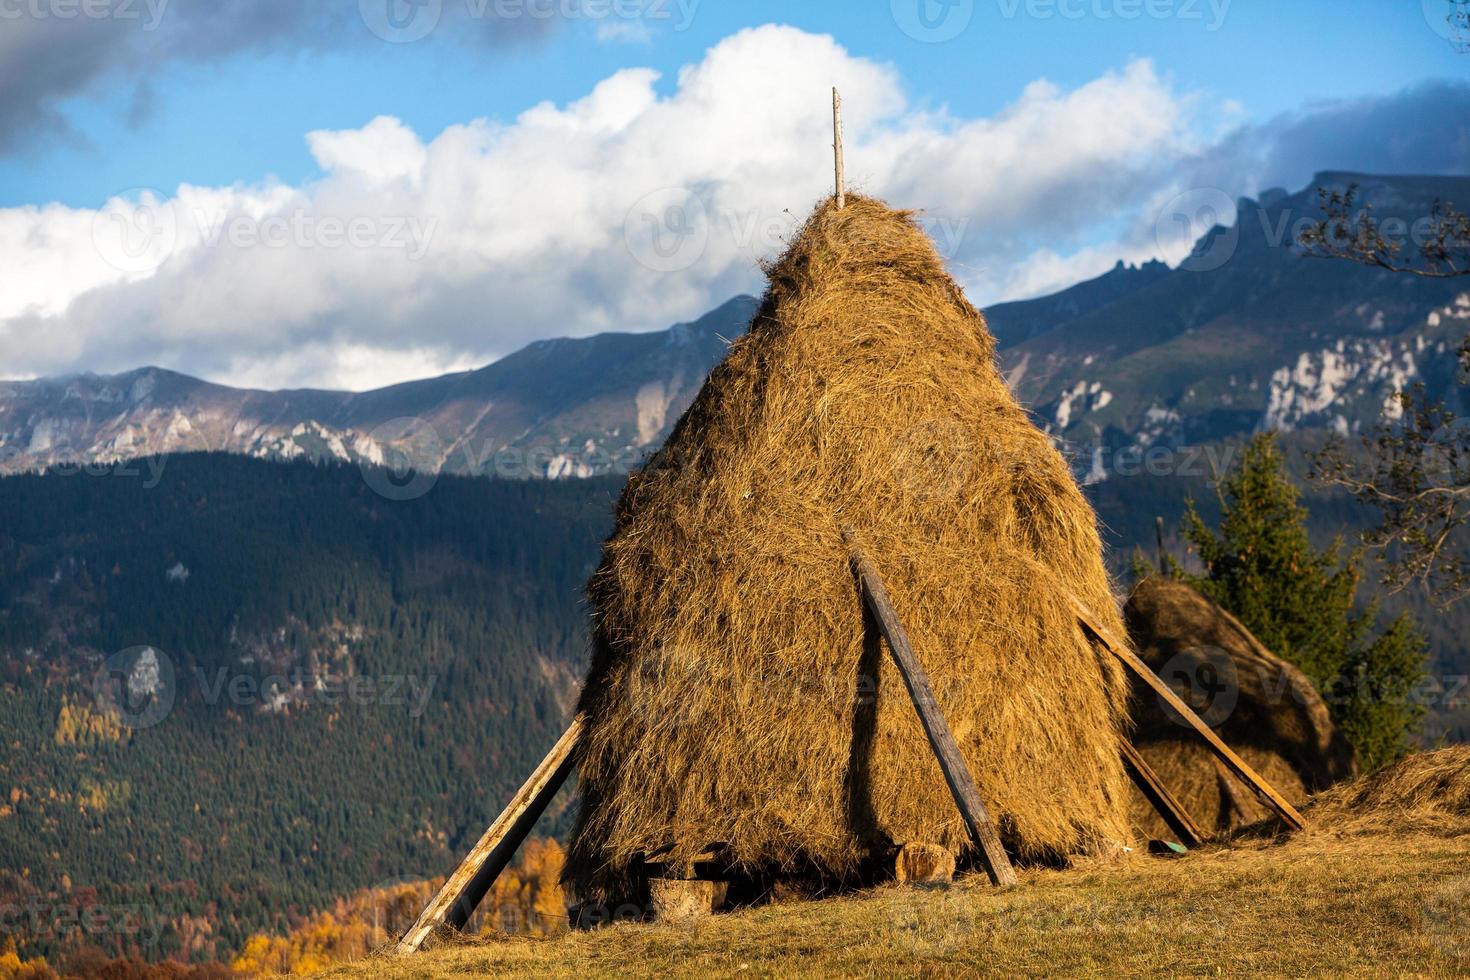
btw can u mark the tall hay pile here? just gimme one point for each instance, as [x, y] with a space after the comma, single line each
[735, 695]
[1263, 707]
[1429, 791]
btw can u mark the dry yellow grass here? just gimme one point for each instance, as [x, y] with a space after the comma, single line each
[734, 694]
[1323, 903]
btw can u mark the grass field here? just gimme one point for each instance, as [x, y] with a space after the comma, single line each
[1373, 903]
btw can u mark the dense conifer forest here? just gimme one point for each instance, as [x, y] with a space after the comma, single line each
[236, 690]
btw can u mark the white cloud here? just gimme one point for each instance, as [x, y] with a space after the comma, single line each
[626, 31]
[1046, 271]
[626, 209]
[382, 151]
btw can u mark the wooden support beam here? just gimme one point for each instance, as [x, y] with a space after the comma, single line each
[1233, 762]
[464, 890]
[1165, 802]
[956, 772]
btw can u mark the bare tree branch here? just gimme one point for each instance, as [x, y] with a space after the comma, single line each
[1350, 231]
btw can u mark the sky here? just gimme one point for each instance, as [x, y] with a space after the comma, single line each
[353, 193]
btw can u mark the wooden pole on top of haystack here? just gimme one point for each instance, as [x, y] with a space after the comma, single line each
[837, 147]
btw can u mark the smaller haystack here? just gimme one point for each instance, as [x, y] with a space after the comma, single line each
[1429, 791]
[1263, 707]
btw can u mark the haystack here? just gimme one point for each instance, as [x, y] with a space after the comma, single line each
[738, 697]
[1428, 791]
[1263, 707]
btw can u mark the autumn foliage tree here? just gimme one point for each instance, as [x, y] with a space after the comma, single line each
[526, 900]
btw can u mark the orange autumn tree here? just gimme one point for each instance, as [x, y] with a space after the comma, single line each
[527, 900]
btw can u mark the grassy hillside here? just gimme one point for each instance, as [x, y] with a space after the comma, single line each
[1376, 904]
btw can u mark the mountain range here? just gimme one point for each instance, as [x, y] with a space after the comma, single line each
[1245, 334]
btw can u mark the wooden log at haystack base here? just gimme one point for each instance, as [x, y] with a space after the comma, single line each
[925, 863]
[737, 692]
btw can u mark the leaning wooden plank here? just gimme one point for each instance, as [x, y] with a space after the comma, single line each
[1165, 802]
[462, 893]
[956, 771]
[1233, 762]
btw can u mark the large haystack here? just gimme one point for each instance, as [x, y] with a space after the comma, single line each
[735, 695]
[1263, 707]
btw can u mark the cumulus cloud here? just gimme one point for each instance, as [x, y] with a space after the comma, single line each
[625, 209]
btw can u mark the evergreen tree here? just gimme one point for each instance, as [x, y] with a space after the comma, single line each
[1302, 604]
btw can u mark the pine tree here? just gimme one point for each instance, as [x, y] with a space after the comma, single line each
[1302, 604]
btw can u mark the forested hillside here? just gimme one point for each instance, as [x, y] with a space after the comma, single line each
[317, 689]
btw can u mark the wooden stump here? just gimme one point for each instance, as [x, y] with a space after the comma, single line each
[677, 900]
[922, 862]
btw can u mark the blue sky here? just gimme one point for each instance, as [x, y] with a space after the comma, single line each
[178, 178]
[242, 116]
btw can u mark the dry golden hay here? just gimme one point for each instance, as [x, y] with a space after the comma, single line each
[735, 695]
[1263, 707]
[1427, 791]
